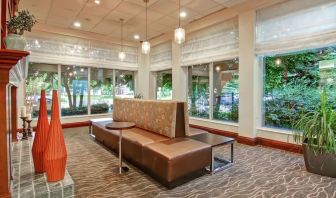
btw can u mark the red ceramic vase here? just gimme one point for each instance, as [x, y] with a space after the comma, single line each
[41, 135]
[55, 154]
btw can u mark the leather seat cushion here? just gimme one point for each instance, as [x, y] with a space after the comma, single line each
[133, 142]
[172, 159]
[107, 137]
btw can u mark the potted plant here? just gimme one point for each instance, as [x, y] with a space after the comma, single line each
[317, 132]
[17, 25]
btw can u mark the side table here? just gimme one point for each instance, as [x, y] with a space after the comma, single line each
[120, 126]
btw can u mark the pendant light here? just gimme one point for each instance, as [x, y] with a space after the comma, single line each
[145, 46]
[121, 54]
[179, 34]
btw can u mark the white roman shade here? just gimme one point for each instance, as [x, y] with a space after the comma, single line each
[295, 25]
[215, 43]
[80, 52]
[161, 57]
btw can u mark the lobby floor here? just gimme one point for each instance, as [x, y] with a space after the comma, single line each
[257, 172]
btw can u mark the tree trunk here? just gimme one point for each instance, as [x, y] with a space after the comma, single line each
[67, 89]
[81, 97]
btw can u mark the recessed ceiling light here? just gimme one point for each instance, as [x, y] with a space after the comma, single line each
[136, 36]
[97, 2]
[77, 24]
[183, 14]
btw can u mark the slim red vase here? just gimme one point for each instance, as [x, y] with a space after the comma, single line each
[41, 135]
[55, 153]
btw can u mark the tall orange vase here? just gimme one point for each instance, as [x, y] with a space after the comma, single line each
[55, 154]
[41, 135]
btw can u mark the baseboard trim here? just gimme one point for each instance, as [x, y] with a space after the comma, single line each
[254, 141]
[68, 125]
[215, 131]
[6, 195]
[295, 148]
[75, 124]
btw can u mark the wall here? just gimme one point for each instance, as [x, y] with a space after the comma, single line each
[250, 74]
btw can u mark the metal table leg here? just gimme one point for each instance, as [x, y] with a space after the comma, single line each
[120, 169]
[218, 164]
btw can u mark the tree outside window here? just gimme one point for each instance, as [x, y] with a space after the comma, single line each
[74, 92]
[292, 83]
[101, 92]
[40, 76]
[164, 85]
[225, 90]
[198, 91]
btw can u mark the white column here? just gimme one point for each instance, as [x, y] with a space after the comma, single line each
[180, 74]
[250, 77]
[143, 75]
[152, 85]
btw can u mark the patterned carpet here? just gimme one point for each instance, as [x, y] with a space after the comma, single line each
[257, 172]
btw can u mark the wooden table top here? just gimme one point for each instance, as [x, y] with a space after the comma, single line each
[213, 139]
[120, 125]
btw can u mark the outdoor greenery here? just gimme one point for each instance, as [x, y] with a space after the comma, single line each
[75, 85]
[24, 21]
[40, 76]
[292, 84]
[99, 108]
[199, 97]
[318, 128]
[164, 85]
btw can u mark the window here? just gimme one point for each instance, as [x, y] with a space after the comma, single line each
[74, 92]
[124, 84]
[292, 82]
[101, 91]
[164, 85]
[225, 90]
[40, 76]
[198, 91]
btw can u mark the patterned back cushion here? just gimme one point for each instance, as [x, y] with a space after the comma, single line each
[151, 115]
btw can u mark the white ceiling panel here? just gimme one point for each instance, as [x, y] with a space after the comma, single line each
[105, 17]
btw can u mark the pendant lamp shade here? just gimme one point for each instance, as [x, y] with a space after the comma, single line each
[145, 46]
[179, 34]
[121, 54]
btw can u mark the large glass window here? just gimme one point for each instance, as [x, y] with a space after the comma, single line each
[40, 76]
[124, 84]
[101, 92]
[74, 92]
[225, 90]
[292, 82]
[198, 90]
[164, 89]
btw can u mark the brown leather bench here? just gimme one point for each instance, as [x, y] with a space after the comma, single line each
[158, 145]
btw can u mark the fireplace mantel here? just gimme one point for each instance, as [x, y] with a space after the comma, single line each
[12, 71]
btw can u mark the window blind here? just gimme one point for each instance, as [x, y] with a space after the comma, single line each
[295, 25]
[218, 42]
[161, 57]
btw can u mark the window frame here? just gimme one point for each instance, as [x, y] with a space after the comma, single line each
[59, 87]
[211, 94]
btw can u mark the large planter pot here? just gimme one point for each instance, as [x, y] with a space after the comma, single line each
[55, 154]
[319, 163]
[41, 135]
[15, 41]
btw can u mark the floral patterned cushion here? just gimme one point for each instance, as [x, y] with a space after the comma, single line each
[151, 115]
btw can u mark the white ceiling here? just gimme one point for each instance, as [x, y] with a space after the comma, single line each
[104, 18]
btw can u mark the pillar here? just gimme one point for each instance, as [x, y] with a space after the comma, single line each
[250, 78]
[180, 74]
